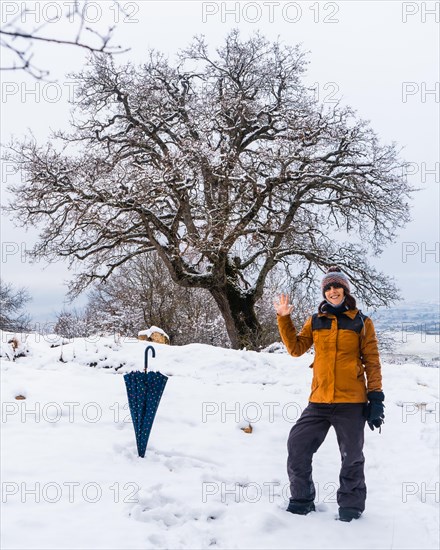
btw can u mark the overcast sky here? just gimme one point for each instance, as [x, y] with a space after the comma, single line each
[380, 57]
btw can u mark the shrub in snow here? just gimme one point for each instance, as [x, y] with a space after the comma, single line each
[6, 351]
[55, 340]
[276, 347]
[14, 347]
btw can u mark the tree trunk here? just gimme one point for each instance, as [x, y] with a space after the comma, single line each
[238, 311]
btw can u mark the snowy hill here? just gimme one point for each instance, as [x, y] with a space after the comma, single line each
[409, 317]
[71, 477]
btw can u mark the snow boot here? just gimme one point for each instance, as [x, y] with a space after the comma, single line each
[301, 508]
[347, 514]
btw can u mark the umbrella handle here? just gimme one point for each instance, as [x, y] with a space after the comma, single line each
[147, 349]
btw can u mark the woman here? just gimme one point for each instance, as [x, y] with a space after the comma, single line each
[346, 376]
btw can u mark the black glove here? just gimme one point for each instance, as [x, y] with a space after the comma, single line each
[374, 411]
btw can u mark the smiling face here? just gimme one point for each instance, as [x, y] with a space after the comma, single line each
[334, 294]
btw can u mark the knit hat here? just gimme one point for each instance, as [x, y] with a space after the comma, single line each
[335, 276]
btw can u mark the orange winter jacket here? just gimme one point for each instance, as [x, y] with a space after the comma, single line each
[345, 352]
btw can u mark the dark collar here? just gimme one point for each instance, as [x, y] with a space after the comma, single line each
[350, 313]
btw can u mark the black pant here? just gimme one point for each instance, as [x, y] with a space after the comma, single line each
[306, 437]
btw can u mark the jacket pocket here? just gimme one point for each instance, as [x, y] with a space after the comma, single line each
[359, 369]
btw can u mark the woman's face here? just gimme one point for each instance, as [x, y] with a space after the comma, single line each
[334, 295]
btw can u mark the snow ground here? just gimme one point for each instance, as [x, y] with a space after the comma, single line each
[71, 477]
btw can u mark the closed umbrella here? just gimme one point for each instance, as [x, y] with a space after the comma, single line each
[144, 390]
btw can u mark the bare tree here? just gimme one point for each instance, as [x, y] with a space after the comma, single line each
[227, 166]
[141, 293]
[12, 303]
[72, 324]
[24, 26]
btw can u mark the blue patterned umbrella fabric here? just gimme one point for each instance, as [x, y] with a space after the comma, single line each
[144, 390]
